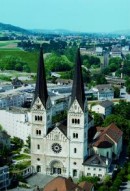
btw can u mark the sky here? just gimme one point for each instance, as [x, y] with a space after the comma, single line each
[75, 15]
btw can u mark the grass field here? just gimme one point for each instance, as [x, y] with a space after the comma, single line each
[10, 44]
[29, 58]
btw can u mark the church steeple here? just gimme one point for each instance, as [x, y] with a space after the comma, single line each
[78, 85]
[41, 86]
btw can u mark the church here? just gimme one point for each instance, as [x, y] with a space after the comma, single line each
[59, 148]
[62, 148]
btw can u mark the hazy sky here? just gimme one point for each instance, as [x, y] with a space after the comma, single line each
[78, 15]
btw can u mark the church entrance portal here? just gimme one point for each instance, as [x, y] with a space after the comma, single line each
[56, 167]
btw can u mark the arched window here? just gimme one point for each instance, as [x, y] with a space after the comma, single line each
[78, 121]
[72, 120]
[75, 150]
[74, 172]
[40, 118]
[35, 118]
[73, 135]
[36, 132]
[76, 135]
[38, 147]
[39, 132]
[38, 168]
[75, 121]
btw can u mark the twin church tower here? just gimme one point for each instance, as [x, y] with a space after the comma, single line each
[61, 148]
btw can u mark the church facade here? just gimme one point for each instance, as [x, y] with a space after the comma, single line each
[59, 148]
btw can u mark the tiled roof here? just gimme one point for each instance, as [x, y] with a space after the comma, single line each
[103, 87]
[61, 184]
[96, 160]
[62, 126]
[106, 103]
[67, 184]
[87, 186]
[107, 136]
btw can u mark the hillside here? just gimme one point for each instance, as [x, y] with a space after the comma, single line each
[11, 28]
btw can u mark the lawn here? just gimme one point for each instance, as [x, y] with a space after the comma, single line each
[21, 157]
[10, 44]
[29, 58]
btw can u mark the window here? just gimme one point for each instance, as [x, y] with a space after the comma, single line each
[38, 118]
[88, 168]
[76, 121]
[38, 168]
[100, 169]
[75, 150]
[38, 132]
[74, 163]
[38, 159]
[74, 172]
[88, 174]
[94, 169]
[75, 135]
[38, 147]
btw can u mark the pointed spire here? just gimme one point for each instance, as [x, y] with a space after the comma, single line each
[41, 86]
[78, 85]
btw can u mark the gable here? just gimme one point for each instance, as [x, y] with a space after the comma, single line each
[57, 135]
[75, 107]
[37, 105]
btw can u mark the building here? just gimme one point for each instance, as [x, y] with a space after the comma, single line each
[104, 108]
[12, 98]
[97, 165]
[15, 120]
[107, 142]
[4, 139]
[99, 51]
[4, 178]
[104, 91]
[61, 148]
[66, 184]
[116, 52]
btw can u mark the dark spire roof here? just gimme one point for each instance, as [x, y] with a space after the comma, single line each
[41, 86]
[78, 85]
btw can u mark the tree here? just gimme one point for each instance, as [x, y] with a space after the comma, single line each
[99, 78]
[116, 92]
[98, 120]
[121, 123]
[127, 84]
[123, 109]
[18, 143]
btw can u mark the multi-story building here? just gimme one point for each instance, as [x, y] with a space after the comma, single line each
[4, 178]
[104, 91]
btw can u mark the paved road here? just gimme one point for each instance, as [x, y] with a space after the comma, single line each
[34, 181]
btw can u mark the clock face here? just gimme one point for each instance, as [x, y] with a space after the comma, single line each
[56, 147]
